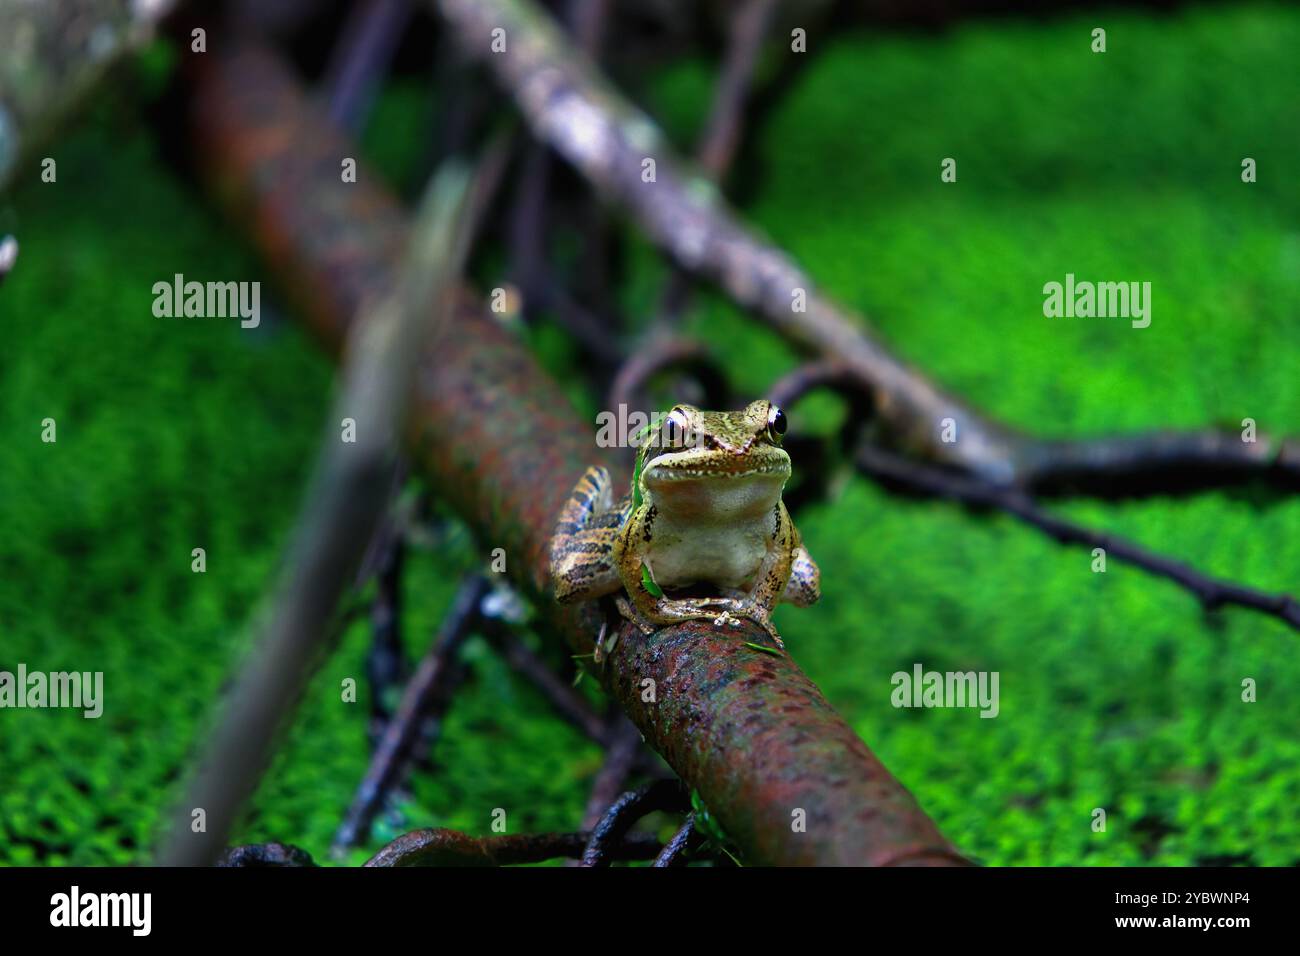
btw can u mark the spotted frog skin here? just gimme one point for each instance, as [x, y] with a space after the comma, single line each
[704, 511]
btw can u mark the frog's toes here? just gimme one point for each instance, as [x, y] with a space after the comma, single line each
[727, 619]
[629, 611]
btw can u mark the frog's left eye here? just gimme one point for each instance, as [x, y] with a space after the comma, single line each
[776, 424]
[675, 429]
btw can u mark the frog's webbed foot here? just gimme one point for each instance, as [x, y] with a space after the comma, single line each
[759, 616]
[663, 611]
[629, 611]
[724, 612]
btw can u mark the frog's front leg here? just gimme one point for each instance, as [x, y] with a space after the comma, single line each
[582, 548]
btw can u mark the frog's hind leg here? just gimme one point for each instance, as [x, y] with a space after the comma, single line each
[804, 586]
[582, 564]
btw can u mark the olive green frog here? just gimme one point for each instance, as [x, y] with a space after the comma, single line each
[704, 511]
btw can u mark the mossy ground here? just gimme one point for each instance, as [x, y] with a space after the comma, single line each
[1116, 691]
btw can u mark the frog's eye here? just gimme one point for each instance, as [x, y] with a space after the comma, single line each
[776, 424]
[675, 429]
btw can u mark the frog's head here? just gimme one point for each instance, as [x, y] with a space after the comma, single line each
[693, 450]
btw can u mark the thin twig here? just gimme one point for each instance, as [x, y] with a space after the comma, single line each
[722, 132]
[1211, 592]
[665, 795]
[570, 705]
[621, 759]
[1160, 461]
[385, 665]
[367, 42]
[426, 697]
[659, 356]
[677, 850]
[528, 230]
[265, 855]
[451, 848]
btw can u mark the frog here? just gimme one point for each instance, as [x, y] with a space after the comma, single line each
[704, 512]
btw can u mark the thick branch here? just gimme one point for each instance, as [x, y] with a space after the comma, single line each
[501, 444]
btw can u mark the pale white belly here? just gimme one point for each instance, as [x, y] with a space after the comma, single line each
[725, 555]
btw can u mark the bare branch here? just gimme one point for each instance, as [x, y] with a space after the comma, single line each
[609, 832]
[451, 848]
[717, 149]
[1213, 593]
[620, 761]
[567, 702]
[683, 843]
[425, 697]
[570, 105]
[367, 42]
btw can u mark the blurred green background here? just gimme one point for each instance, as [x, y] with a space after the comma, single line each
[1116, 691]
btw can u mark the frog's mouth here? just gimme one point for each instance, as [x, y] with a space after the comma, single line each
[685, 466]
[712, 493]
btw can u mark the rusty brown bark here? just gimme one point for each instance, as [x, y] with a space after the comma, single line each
[501, 444]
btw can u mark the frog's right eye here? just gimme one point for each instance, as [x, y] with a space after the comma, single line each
[675, 429]
[776, 424]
